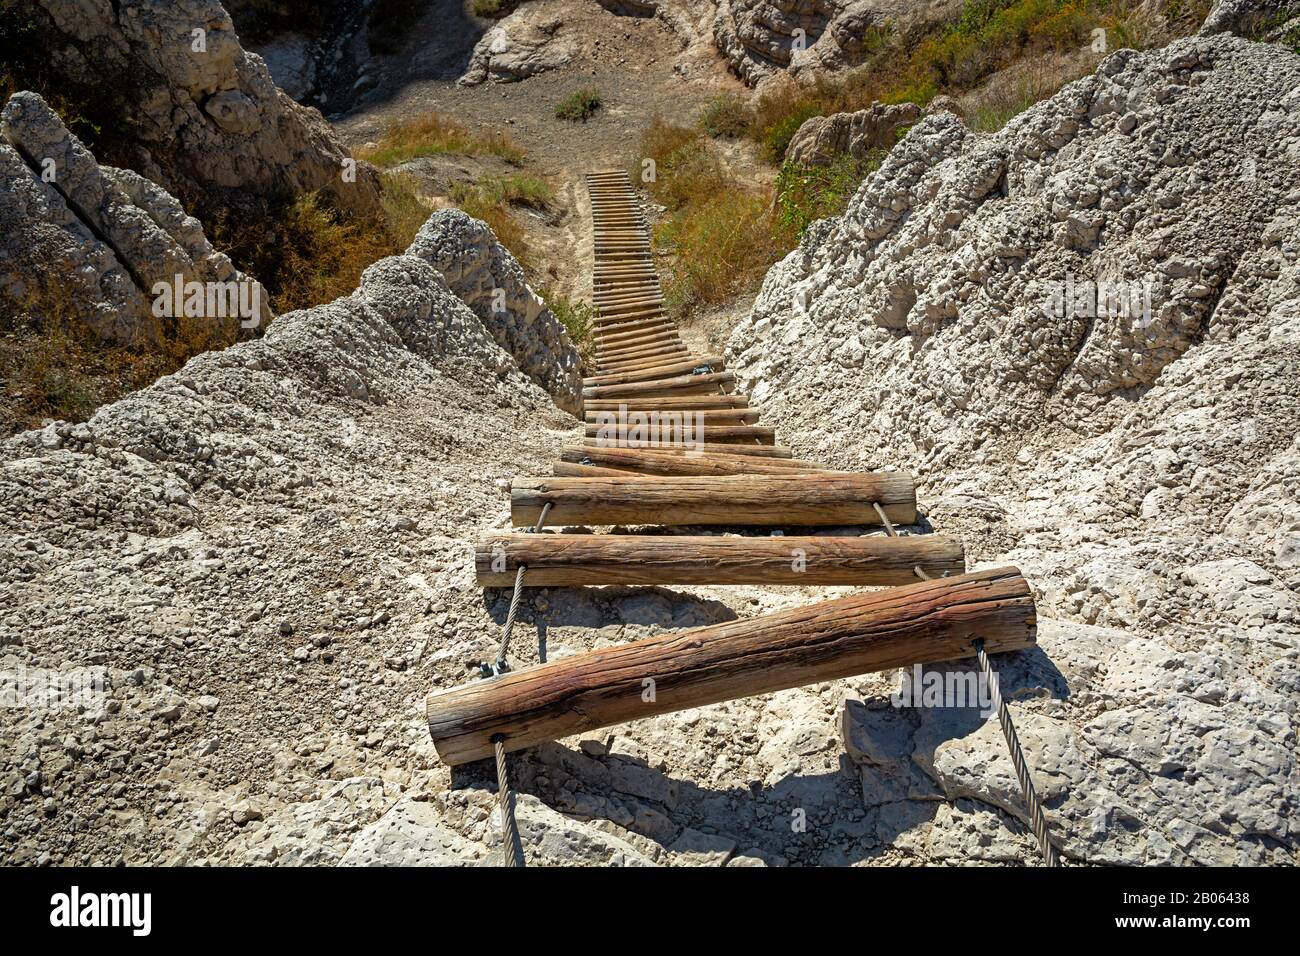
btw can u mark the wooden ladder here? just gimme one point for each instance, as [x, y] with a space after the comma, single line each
[704, 460]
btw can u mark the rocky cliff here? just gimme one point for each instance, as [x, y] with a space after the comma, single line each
[90, 243]
[189, 107]
[1081, 333]
[762, 38]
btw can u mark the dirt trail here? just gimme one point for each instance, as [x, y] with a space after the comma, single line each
[638, 64]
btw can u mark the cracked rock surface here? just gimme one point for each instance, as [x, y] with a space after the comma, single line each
[206, 119]
[91, 241]
[1138, 465]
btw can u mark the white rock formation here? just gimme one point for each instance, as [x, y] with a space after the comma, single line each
[1132, 462]
[822, 138]
[762, 39]
[531, 40]
[486, 277]
[206, 117]
[92, 241]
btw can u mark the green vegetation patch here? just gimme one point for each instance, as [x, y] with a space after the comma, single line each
[579, 106]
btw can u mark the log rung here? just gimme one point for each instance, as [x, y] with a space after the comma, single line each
[561, 560]
[681, 384]
[760, 451]
[663, 371]
[718, 460]
[725, 416]
[797, 500]
[684, 431]
[919, 623]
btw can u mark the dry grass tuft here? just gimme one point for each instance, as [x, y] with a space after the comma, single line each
[720, 233]
[433, 135]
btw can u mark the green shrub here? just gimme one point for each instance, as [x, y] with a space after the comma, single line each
[776, 139]
[579, 321]
[312, 253]
[721, 245]
[685, 170]
[725, 117]
[521, 189]
[489, 200]
[579, 105]
[951, 58]
[808, 193]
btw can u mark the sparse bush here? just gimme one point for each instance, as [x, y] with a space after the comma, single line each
[720, 233]
[489, 204]
[579, 321]
[523, 189]
[778, 114]
[313, 254]
[686, 170]
[490, 199]
[579, 105]
[436, 134]
[52, 365]
[1003, 98]
[725, 117]
[808, 193]
[721, 246]
[955, 57]
[53, 369]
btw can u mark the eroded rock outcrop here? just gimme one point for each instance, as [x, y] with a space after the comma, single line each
[1081, 334]
[487, 278]
[205, 119]
[1267, 19]
[822, 138]
[764, 38]
[92, 242]
[531, 40]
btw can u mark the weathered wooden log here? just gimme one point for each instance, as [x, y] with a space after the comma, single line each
[795, 500]
[636, 461]
[608, 307]
[619, 334]
[764, 451]
[639, 362]
[635, 351]
[565, 469]
[680, 385]
[669, 370]
[603, 302]
[735, 400]
[560, 560]
[608, 315]
[713, 416]
[645, 283]
[626, 334]
[897, 627]
[641, 288]
[627, 285]
[630, 352]
[646, 359]
[623, 345]
[672, 428]
[671, 351]
[625, 340]
[693, 466]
